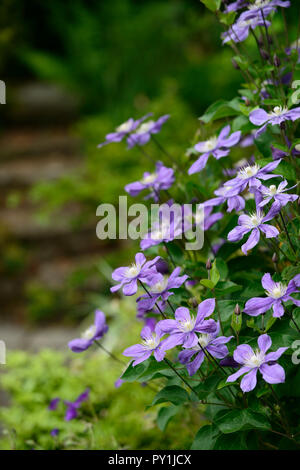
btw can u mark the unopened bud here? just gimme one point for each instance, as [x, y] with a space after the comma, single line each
[264, 54]
[237, 309]
[274, 258]
[276, 61]
[193, 302]
[208, 265]
[235, 65]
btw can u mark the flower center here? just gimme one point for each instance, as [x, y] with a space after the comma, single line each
[248, 171]
[133, 271]
[272, 189]
[160, 286]
[259, 4]
[89, 332]
[278, 291]
[187, 325]
[125, 127]
[210, 144]
[145, 127]
[256, 218]
[151, 343]
[149, 179]
[204, 339]
[278, 111]
[256, 360]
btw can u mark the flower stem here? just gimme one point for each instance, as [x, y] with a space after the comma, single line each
[286, 231]
[115, 358]
[156, 304]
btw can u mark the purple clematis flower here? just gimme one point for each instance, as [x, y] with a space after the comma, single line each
[54, 432]
[73, 406]
[94, 332]
[233, 202]
[143, 134]
[128, 276]
[235, 6]
[123, 130]
[267, 194]
[151, 343]
[218, 147]
[167, 227]
[250, 177]
[183, 330]
[260, 117]
[252, 361]
[264, 7]
[161, 179]
[118, 382]
[277, 292]
[53, 404]
[160, 288]
[240, 30]
[209, 342]
[255, 223]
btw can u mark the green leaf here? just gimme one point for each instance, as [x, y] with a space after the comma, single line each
[214, 273]
[173, 393]
[154, 370]
[212, 5]
[164, 416]
[207, 283]
[205, 438]
[231, 442]
[237, 420]
[221, 109]
[131, 374]
[222, 268]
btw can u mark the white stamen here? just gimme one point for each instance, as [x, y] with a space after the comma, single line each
[248, 171]
[278, 291]
[125, 127]
[255, 360]
[160, 286]
[149, 179]
[187, 325]
[151, 343]
[133, 271]
[89, 332]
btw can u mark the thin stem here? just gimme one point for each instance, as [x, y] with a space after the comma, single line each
[287, 233]
[169, 254]
[156, 304]
[115, 358]
[161, 148]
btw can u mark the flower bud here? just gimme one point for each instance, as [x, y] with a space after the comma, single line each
[235, 65]
[274, 258]
[237, 309]
[208, 265]
[264, 54]
[276, 61]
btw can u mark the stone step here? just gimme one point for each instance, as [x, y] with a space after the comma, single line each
[25, 172]
[57, 143]
[39, 103]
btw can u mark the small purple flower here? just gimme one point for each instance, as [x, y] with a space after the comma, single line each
[264, 7]
[54, 432]
[144, 308]
[151, 343]
[233, 202]
[252, 361]
[260, 117]
[167, 228]
[123, 130]
[160, 288]
[218, 147]
[119, 382]
[163, 178]
[255, 223]
[209, 342]
[94, 332]
[143, 134]
[277, 292]
[250, 177]
[53, 404]
[73, 406]
[183, 329]
[267, 194]
[128, 276]
[235, 6]
[240, 30]
[203, 217]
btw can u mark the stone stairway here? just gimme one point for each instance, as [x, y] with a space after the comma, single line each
[37, 144]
